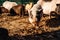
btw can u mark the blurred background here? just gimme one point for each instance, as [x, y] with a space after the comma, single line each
[19, 1]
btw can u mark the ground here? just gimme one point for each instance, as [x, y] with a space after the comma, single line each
[17, 25]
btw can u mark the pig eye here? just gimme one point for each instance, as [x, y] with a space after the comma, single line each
[38, 12]
[31, 14]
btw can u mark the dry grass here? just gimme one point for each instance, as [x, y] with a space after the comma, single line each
[21, 26]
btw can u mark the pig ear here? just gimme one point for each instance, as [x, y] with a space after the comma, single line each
[40, 9]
